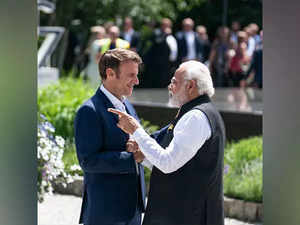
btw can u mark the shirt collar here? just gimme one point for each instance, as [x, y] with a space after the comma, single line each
[191, 104]
[114, 100]
[188, 32]
[129, 31]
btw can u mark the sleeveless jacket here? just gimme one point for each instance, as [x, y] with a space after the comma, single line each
[192, 195]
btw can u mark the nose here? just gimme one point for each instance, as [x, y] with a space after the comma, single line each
[170, 86]
[136, 80]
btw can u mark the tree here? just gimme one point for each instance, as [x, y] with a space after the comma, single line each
[94, 12]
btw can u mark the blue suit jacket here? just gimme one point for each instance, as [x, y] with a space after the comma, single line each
[183, 48]
[110, 179]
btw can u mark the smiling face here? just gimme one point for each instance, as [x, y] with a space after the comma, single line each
[123, 80]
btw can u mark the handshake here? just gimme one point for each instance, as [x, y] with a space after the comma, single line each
[132, 146]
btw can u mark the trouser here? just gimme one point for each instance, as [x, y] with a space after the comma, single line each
[137, 218]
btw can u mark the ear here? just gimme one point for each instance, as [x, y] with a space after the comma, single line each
[110, 72]
[191, 84]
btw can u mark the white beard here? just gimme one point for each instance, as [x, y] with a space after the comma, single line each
[176, 100]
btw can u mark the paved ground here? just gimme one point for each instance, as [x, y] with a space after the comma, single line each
[64, 210]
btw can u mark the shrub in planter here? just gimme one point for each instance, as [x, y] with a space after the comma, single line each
[50, 164]
[59, 102]
[243, 169]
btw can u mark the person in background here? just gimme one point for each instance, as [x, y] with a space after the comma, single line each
[219, 57]
[256, 35]
[161, 56]
[251, 41]
[202, 34]
[255, 71]
[107, 25]
[190, 46]
[235, 27]
[130, 35]
[94, 45]
[113, 41]
[240, 62]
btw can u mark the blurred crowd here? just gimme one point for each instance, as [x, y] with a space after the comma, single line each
[234, 56]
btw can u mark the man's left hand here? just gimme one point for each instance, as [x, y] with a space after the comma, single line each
[132, 146]
[126, 122]
[138, 156]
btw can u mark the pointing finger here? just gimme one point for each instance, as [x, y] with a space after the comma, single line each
[115, 111]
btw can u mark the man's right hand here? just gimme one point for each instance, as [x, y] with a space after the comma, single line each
[132, 146]
[138, 156]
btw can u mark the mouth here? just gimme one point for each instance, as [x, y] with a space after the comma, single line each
[130, 88]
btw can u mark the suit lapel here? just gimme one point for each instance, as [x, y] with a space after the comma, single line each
[129, 109]
[107, 103]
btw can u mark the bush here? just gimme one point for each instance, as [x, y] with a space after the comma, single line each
[50, 164]
[59, 102]
[243, 169]
[70, 160]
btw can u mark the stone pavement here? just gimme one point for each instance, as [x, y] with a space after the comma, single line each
[64, 210]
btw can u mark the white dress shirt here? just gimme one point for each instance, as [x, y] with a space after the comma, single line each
[190, 133]
[251, 46]
[114, 100]
[172, 43]
[118, 105]
[128, 35]
[191, 50]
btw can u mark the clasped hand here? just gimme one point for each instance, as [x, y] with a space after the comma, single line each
[132, 146]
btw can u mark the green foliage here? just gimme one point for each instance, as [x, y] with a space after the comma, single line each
[206, 12]
[149, 128]
[243, 169]
[147, 177]
[70, 159]
[78, 16]
[243, 172]
[59, 102]
[50, 166]
[40, 41]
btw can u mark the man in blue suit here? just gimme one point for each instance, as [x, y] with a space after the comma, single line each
[190, 46]
[114, 187]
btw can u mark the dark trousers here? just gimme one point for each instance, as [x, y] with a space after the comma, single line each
[136, 220]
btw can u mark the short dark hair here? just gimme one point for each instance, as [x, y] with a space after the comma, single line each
[113, 58]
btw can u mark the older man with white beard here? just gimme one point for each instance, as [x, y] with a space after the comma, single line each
[186, 185]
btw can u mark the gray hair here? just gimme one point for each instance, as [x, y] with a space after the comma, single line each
[199, 72]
